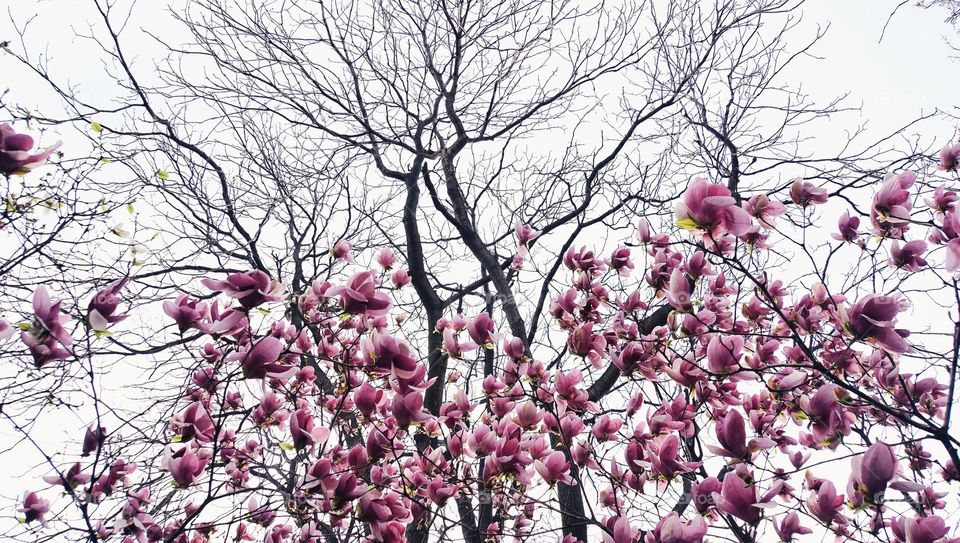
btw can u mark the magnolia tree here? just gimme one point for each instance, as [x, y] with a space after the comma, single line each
[706, 391]
[312, 281]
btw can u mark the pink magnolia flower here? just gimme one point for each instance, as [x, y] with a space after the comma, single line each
[873, 472]
[279, 533]
[194, 423]
[103, 305]
[909, 257]
[92, 439]
[619, 530]
[709, 207]
[6, 330]
[950, 157]
[34, 508]
[952, 260]
[873, 319]
[924, 530]
[943, 200]
[251, 289]
[673, 529]
[263, 515]
[454, 347]
[514, 348]
[528, 415]
[828, 419]
[824, 503]
[73, 478]
[606, 427]
[847, 227]
[583, 260]
[790, 526]
[47, 338]
[407, 408]
[440, 491]
[764, 209]
[304, 432]
[359, 295]
[680, 295]
[341, 251]
[732, 435]
[890, 214]
[554, 469]
[185, 312]
[583, 342]
[804, 193]
[525, 233]
[620, 261]
[702, 494]
[185, 465]
[400, 278]
[386, 258]
[262, 360]
[481, 330]
[226, 322]
[740, 499]
[367, 399]
[15, 156]
[384, 354]
[724, 353]
[664, 458]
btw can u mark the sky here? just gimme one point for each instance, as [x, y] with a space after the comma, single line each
[907, 73]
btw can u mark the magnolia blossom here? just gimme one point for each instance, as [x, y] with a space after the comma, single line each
[829, 420]
[789, 526]
[73, 477]
[927, 529]
[871, 474]
[764, 209]
[251, 289]
[6, 330]
[262, 360]
[525, 233]
[34, 508]
[847, 227]
[185, 312]
[709, 207]
[680, 295]
[554, 469]
[359, 295]
[804, 193]
[341, 250]
[732, 435]
[386, 258]
[47, 338]
[950, 157]
[673, 529]
[15, 156]
[740, 499]
[909, 257]
[620, 261]
[890, 214]
[304, 431]
[185, 465]
[873, 319]
[400, 278]
[943, 200]
[101, 311]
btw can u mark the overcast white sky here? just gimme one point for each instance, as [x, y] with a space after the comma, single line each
[909, 71]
